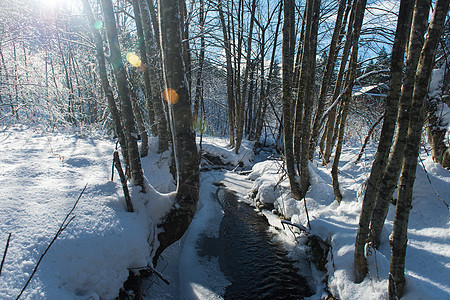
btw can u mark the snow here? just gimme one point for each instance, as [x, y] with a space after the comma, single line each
[428, 258]
[44, 173]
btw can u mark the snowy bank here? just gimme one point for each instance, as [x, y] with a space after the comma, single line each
[428, 259]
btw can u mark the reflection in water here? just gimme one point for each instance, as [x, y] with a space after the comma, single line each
[257, 267]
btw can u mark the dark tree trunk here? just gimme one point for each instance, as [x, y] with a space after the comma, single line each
[387, 132]
[241, 106]
[137, 176]
[326, 78]
[392, 171]
[331, 119]
[230, 85]
[105, 84]
[144, 57]
[287, 65]
[359, 8]
[398, 238]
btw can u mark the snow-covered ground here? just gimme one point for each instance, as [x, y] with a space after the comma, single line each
[428, 251]
[44, 173]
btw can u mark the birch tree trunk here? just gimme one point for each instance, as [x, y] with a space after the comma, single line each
[176, 93]
[398, 238]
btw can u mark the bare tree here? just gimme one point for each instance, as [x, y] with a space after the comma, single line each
[137, 175]
[398, 238]
[287, 65]
[387, 132]
[176, 94]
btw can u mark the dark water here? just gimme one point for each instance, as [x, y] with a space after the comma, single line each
[256, 266]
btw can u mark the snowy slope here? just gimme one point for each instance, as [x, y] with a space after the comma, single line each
[42, 176]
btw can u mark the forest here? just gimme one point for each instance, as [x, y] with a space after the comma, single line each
[224, 149]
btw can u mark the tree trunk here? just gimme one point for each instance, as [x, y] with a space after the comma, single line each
[230, 85]
[241, 106]
[331, 119]
[144, 57]
[393, 168]
[260, 115]
[309, 96]
[436, 124]
[387, 132]
[180, 216]
[287, 65]
[326, 78]
[105, 84]
[201, 58]
[154, 77]
[359, 8]
[137, 176]
[398, 239]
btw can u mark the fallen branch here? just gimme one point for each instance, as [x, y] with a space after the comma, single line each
[4, 253]
[63, 226]
[126, 192]
[152, 270]
[301, 227]
[368, 137]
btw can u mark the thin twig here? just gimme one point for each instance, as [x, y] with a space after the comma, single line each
[4, 253]
[429, 180]
[61, 228]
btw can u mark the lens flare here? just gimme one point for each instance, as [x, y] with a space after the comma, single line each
[98, 25]
[134, 60]
[170, 95]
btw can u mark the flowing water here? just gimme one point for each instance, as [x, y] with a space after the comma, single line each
[256, 266]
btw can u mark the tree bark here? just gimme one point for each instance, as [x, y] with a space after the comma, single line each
[241, 106]
[180, 216]
[331, 119]
[326, 78]
[143, 45]
[137, 175]
[230, 85]
[154, 77]
[359, 8]
[305, 96]
[393, 168]
[387, 132]
[105, 84]
[287, 65]
[398, 238]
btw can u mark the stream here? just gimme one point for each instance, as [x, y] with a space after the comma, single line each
[256, 266]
